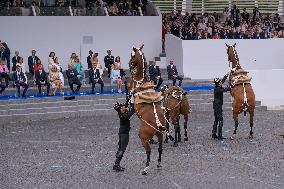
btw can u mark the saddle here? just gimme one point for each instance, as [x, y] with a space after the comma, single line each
[147, 94]
[239, 76]
[173, 91]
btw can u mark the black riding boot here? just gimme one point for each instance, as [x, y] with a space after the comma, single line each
[220, 127]
[117, 166]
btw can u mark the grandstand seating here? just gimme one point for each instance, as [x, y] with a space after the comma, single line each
[210, 6]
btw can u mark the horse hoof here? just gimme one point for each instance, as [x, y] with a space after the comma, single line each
[250, 136]
[159, 165]
[171, 138]
[166, 141]
[179, 140]
[186, 139]
[144, 172]
[175, 144]
[232, 138]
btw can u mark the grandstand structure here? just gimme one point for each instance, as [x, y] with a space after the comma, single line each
[210, 6]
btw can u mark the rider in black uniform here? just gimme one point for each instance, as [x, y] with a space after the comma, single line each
[124, 116]
[218, 110]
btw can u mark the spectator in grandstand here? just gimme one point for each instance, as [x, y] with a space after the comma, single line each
[256, 13]
[173, 73]
[4, 72]
[59, 68]
[37, 65]
[215, 36]
[109, 61]
[235, 12]
[72, 76]
[155, 74]
[113, 9]
[245, 15]
[73, 58]
[23, 66]
[89, 59]
[2, 87]
[42, 79]
[15, 60]
[5, 53]
[80, 70]
[20, 80]
[51, 58]
[95, 78]
[165, 30]
[32, 60]
[117, 62]
[116, 77]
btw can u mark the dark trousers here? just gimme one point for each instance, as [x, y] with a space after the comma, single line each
[108, 70]
[24, 85]
[39, 85]
[157, 82]
[94, 85]
[6, 77]
[218, 122]
[176, 78]
[76, 82]
[122, 144]
[2, 88]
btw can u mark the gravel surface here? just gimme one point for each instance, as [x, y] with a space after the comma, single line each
[79, 153]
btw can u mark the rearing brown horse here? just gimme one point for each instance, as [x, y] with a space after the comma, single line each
[241, 89]
[147, 104]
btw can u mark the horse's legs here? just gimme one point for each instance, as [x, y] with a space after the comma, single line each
[178, 129]
[251, 114]
[235, 117]
[160, 149]
[167, 126]
[185, 127]
[145, 143]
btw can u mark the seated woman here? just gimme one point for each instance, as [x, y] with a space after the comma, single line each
[58, 65]
[79, 68]
[54, 79]
[118, 62]
[115, 77]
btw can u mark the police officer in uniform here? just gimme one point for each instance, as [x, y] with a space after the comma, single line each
[109, 61]
[218, 110]
[124, 115]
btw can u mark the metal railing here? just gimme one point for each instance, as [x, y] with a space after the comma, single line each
[210, 6]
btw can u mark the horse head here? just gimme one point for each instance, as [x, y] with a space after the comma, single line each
[232, 56]
[138, 64]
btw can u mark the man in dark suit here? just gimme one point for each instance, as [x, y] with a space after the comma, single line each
[20, 79]
[89, 59]
[155, 75]
[41, 79]
[173, 73]
[240, 35]
[95, 78]
[73, 79]
[6, 54]
[15, 60]
[258, 35]
[32, 60]
[109, 61]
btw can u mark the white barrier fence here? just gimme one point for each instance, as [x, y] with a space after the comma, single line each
[206, 59]
[65, 35]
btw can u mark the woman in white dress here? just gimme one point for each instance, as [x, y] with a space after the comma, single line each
[115, 77]
[58, 65]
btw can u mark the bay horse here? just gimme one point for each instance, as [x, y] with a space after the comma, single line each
[241, 89]
[176, 104]
[149, 111]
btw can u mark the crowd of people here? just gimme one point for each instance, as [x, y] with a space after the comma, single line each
[53, 76]
[93, 7]
[231, 24]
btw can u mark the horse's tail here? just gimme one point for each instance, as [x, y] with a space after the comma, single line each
[245, 105]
